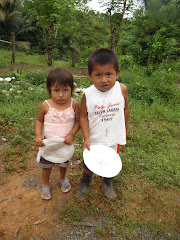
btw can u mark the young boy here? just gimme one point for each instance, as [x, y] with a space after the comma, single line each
[104, 112]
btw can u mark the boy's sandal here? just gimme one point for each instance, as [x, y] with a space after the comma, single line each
[47, 191]
[63, 186]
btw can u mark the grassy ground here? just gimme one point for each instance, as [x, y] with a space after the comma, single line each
[148, 185]
[26, 58]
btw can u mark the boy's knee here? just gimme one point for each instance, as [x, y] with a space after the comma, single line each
[86, 169]
[88, 172]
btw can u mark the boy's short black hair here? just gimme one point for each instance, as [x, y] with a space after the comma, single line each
[59, 76]
[102, 56]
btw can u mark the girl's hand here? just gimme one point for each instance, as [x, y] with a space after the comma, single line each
[86, 144]
[68, 139]
[39, 141]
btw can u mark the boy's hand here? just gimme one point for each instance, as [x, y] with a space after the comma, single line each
[86, 144]
[68, 139]
[39, 141]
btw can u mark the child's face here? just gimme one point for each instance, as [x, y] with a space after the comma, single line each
[104, 76]
[60, 94]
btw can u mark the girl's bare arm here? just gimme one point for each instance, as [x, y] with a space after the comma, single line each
[69, 138]
[39, 125]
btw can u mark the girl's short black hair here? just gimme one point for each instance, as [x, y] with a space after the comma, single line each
[59, 76]
[102, 56]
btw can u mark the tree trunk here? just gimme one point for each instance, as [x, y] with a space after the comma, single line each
[113, 39]
[120, 25]
[111, 36]
[47, 37]
[73, 57]
[49, 42]
[148, 61]
[49, 57]
[13, 60]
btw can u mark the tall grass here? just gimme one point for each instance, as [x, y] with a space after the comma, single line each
[154, 104]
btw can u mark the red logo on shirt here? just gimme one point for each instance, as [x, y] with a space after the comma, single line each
[99, 107]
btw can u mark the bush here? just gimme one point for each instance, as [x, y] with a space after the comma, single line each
[150, 89]
[126, 61]
[37, 78]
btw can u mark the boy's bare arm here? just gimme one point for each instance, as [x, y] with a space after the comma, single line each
[126, 108]
[84, 123]
[77, 124]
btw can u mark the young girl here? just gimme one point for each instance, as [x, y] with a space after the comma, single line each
[57, 117]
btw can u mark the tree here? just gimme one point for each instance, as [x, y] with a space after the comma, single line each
[116, 10]
[88, 33]
[13, 23]
[52, 16]
[156, 32]
[163, 2]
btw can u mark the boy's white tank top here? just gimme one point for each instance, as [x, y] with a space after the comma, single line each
[106, 115]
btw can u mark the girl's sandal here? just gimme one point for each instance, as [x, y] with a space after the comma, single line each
[63, 186]
[47, 191]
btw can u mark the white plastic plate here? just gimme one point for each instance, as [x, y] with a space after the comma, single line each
[56, 151]
[102, 160]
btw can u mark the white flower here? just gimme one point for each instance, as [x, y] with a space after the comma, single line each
[19, 91]
[77, 90]
[8, 79]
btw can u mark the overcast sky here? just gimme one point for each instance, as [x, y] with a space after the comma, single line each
[95, 5]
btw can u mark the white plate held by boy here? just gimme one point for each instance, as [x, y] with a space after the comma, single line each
[102, 160]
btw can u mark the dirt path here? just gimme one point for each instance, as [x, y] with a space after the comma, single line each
[25, 215]
[74, 71]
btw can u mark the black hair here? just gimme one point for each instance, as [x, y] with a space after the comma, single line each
[59, 76]
[102, 56]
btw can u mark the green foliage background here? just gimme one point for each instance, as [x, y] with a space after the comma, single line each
[150, 37]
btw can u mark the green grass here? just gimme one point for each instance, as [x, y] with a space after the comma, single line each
[148, 184]
[25, 58]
